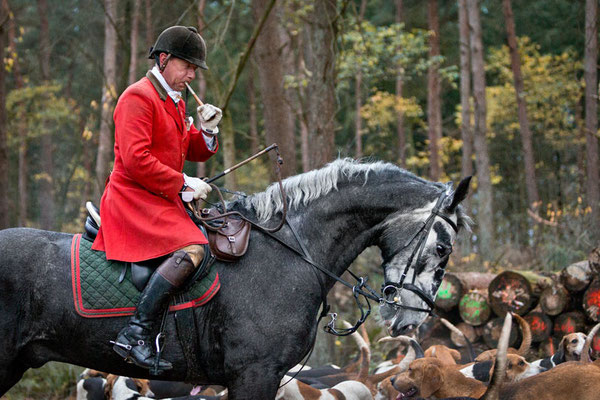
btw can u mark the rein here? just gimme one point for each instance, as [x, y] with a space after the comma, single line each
[389, 288]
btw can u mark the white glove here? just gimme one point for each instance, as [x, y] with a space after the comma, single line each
[210, 116]
[201, 188]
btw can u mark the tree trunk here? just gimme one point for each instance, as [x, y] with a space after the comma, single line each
[591, 301]
[491, 333]
[149, 28]
[133, 59]
[278, 119]
[576, 277]
[540, 324]
[591, 110]
[555, 299]
[23, 139]
[200, 166]
[4, 205]
[466, 131]
[570, 322]
[474, 308]
[320, 53]
[450, 292]
[468, 331]
[434, 106]
[358, 90]
[515, 61]
[253, 122]
[46, 199]
[227, 143]
[482, 160]
[358, 121]
[400, 131]
[512, 291]
[304, 143]
[105, 141]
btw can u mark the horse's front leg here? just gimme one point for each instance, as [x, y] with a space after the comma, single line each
[253, 383]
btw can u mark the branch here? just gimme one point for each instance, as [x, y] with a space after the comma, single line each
[246, 54]
[541, 220]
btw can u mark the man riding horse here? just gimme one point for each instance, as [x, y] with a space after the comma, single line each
[143, 216]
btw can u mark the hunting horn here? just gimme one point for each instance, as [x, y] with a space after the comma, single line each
[200, 103]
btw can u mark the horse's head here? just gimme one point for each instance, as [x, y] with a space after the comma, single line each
[414, 266]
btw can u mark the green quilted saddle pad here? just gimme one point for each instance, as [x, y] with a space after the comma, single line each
[98, 293]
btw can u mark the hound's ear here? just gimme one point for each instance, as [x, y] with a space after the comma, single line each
[432, 380]
[459, 194]
[455, 354]
[562, 346]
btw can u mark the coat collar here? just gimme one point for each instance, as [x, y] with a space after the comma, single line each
[162, 92]
[169, 105]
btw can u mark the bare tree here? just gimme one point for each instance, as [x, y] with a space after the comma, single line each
[434, 92]
[253, 122]
[135, 31]
[591, 109]
[4, 205]
[515, 62]
[400, 132]
[465, 91]
[149, 27]
[320, 54]
[358, 90]
[201, 167]
[278, 118]
[105, 141]
[482, 160]
[23, 139]
[46, 197]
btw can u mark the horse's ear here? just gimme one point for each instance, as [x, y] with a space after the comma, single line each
[459, 194]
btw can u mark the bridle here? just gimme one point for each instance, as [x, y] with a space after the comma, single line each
[362, 289]
[392, 289]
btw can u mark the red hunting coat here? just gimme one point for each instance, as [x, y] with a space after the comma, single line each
[142, 214]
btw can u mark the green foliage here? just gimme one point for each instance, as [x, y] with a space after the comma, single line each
[53, 381]
[39, 110]
[381, 52]
[553, 93]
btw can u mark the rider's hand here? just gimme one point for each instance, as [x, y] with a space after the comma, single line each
[201, 189]
[209, 116]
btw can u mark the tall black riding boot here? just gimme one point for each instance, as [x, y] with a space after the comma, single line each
[134, 342]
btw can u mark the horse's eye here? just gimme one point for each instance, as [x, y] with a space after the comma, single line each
[442, 251]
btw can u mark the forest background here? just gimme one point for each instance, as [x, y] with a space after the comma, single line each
[504, 91]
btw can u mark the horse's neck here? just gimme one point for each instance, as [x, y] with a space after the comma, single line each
[336, 230]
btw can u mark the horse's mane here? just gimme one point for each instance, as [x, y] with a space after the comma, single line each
[303, 188]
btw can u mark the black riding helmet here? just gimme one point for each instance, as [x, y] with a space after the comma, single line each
[182, 42]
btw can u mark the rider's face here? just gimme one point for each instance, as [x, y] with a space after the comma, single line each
[178, 72]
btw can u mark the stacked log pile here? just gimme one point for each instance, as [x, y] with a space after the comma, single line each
[554, 304]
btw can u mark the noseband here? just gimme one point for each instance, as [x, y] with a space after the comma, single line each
[392, 289]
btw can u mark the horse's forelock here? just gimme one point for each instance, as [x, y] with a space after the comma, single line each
[304, 188]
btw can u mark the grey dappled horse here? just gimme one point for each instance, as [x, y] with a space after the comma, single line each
[263, 320]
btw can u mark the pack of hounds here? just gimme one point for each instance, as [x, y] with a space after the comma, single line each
[436, 373]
